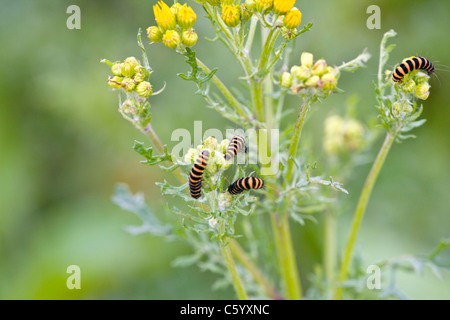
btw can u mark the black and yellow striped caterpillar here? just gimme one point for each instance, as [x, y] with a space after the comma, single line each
[236, 144]
[242, 184]
[411, 64]
[195, 176]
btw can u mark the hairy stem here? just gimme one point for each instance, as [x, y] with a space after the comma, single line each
[360, 208]
[235, 279]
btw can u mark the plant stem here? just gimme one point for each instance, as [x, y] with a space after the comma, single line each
[360, 208]
[329, 253]
[243, 258]
[296, 137]
[235, 279]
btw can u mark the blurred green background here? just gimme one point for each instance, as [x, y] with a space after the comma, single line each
[63, 146]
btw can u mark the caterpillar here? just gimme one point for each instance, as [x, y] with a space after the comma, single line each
[411, 64]
[242, 184]
[195, 176]
[236, 144]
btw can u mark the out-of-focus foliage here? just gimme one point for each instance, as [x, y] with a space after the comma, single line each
[63, 146]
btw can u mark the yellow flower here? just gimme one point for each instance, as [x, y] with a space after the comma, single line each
[175, 7]
[293, 18]
[164, 16]
[186, 17]
[283, 6]
[171, 39]
[231, 15]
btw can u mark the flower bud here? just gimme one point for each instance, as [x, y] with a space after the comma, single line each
[246, 12]
[223, 146]
[189, 38]
[116, 69]
[409, 86]
[263, 5]
[128, 84]
[186, 17]
[210, 143]
[306, 59]
[171, 39]
[283, 6]
[231, 15]
[401, 109]
[293, 18]
[353, 135]
[115, 82]
[288, 34]
[319, 68]
[422, 91]
[286, 80]
[314, 81]
[191, 156]
[140, 75]
[175, 8]
[301, 73]
[329, 81]
[128, 66]
[155, 34]
[144, 89]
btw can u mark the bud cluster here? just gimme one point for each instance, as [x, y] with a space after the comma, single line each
[310, 77]
[415, 83]
[131, 76]
[174, 25]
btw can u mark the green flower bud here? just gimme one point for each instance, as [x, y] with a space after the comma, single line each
[210, 143]
[191, 156]
[189, 38]
[306, 59]
[223, 146]
[401, 109]
[155, 34]
[329, 81]
[422, 91]
[115, 82]
[263, 5]
[141, 74]
[353, 135]
[128, 84]
[288, 34]
[144, 89]
[301, 72]
[286, 80]
[319, 68]
[129, 66]
[246, 12]
[409, 86]
[314, 81]
[116, 69]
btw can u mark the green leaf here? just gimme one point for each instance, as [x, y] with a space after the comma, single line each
[148, 154]
[136, 204]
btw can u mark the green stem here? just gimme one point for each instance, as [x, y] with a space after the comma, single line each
[235, 279]
[360, 208]
[243, 258]
[296, 137]
[329, 253]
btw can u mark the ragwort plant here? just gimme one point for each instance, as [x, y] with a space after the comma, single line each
[228, 232]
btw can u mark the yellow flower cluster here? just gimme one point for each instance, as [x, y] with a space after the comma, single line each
[318, 75]
[174, 25]
[131, 76]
